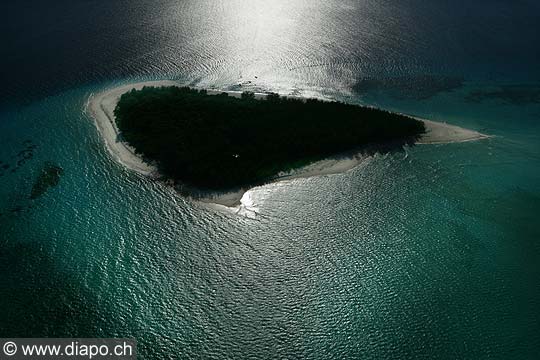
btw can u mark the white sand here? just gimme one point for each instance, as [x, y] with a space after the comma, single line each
[102, 105]
[442, 133]
[231, 199]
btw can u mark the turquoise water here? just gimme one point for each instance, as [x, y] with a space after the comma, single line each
[428, 253]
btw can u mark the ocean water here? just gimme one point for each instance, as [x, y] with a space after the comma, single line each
[432, 252]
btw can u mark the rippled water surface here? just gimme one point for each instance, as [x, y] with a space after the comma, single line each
[427, 253]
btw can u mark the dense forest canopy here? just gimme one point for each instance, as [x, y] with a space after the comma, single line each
[221, 141]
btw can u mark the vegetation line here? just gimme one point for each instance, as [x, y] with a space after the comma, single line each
[219, 142]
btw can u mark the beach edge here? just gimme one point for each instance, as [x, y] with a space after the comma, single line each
[100, 107]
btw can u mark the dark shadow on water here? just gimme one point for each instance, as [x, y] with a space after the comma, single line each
[39, 300]
[419, 87]
[517, 94]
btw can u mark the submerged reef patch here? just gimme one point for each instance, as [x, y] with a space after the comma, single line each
[48, 177]
[20, 159]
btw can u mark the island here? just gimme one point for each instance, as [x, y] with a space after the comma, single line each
[214, 145]
[221, 142]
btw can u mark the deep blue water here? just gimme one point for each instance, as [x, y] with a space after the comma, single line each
[430, 253]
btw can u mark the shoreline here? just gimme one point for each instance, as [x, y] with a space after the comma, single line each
[443, 133]
[101, 107]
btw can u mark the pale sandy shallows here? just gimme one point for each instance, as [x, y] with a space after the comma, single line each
[101, 107]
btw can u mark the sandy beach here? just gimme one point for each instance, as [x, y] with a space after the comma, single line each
[101, 107]
[442, 133]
